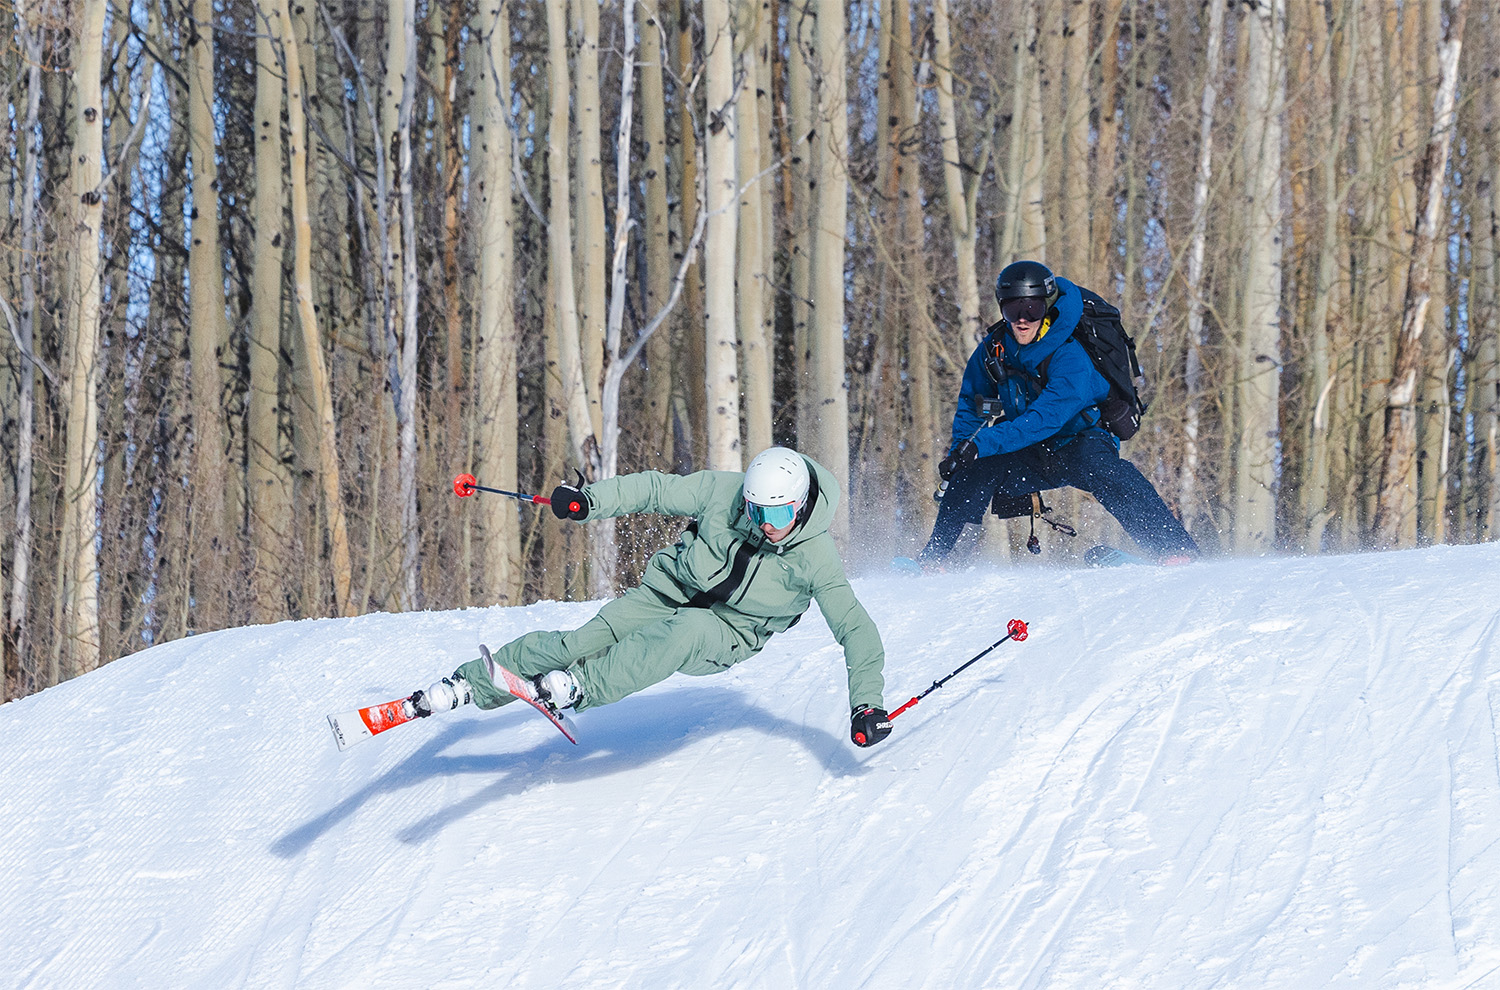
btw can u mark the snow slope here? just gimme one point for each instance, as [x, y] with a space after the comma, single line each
[1267, 773]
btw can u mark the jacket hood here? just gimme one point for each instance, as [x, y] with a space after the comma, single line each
[824, 492]
[1029, 357]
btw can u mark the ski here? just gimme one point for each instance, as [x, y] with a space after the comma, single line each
[1102, 556]
[362, 723]
[907, 566]
[521, 688]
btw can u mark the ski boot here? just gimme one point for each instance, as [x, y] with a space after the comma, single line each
[442, 696]
[557, 689]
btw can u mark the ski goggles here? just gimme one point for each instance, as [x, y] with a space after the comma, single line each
[779, 516]
[1028, 310]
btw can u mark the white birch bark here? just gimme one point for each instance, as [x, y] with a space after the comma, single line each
[657, 232]
[961, 202]
[312, 346]
[722, 362]
[18, 625]
[81, 467]
[268, 500]
[208, 333]
[560, 246]
[1259, 356]
[755, 352]
[826, 335]
[1393, 525]
[497, 414]
[406, 410]
[1188, 494]
[592, 261]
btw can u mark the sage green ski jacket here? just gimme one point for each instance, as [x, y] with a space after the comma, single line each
[772, 584]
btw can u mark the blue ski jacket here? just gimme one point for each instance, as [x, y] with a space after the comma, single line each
[1034, 413]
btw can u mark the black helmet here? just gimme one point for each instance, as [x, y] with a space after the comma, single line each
[1024, 280]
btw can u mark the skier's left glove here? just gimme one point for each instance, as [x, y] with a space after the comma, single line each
[960, 457]
[569, 502]
[869, 725]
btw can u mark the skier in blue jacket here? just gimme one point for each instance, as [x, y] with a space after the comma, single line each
[1048, 433]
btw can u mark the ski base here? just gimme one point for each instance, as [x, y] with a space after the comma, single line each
[905, 565]
[1102, 556]
[519, 687]
[363, 723]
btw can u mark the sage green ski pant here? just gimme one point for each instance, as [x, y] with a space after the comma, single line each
[634, 641]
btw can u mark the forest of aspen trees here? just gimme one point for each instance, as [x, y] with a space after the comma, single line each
[275, 272]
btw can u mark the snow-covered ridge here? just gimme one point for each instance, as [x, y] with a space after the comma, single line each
[1267, 773]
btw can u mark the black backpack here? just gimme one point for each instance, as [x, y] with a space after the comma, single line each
[1112, 350]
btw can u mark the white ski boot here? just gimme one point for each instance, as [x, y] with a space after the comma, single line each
[557, 689]
[442, 696]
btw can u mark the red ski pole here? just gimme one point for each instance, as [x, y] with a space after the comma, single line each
[464, 485]
[1014, 629]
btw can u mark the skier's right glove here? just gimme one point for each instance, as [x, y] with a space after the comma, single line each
[568, 502]
[958, 458]
[869, 725]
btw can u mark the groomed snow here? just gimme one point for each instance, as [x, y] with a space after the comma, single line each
[1276, 773]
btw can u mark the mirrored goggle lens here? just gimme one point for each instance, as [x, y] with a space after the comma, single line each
[1028, 310]
[777, 515]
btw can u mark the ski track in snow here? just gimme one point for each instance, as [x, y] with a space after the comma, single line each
[1239, 774]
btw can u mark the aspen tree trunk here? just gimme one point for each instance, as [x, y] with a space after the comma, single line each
[312, 345]
[268, 485]
[1487, 309]
[18, 626]
[722, 363]
[1434, 405]
[755, 345]
[657, 232]
[604, 546]
[80, 559]
[1106, 145]
[1259, 354]
[1025, 224]
[1392, 524]
[592, 260]
[497, 415]
[799, 177]
[691, 357]
[826, 335]
[1073, 241]
[406, 411]
[1188, 493]
[961, 202]
[1318, 503]
[210, 530]
[918, 462]
[560, 246]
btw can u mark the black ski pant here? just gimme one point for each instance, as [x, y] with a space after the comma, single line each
[1090, 462]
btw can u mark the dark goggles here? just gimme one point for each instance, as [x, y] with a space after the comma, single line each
[1027, 310]
[779, 516]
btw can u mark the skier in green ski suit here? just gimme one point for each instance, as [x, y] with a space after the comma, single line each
[756, 554]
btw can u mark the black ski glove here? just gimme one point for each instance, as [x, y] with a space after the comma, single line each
[960, 457]
[568, 502]
[869, 725]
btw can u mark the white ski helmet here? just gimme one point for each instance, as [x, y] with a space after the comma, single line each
[777, 477]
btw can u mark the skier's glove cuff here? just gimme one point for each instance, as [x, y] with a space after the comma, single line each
[958, 458]
[569, 502]
[869, 725]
